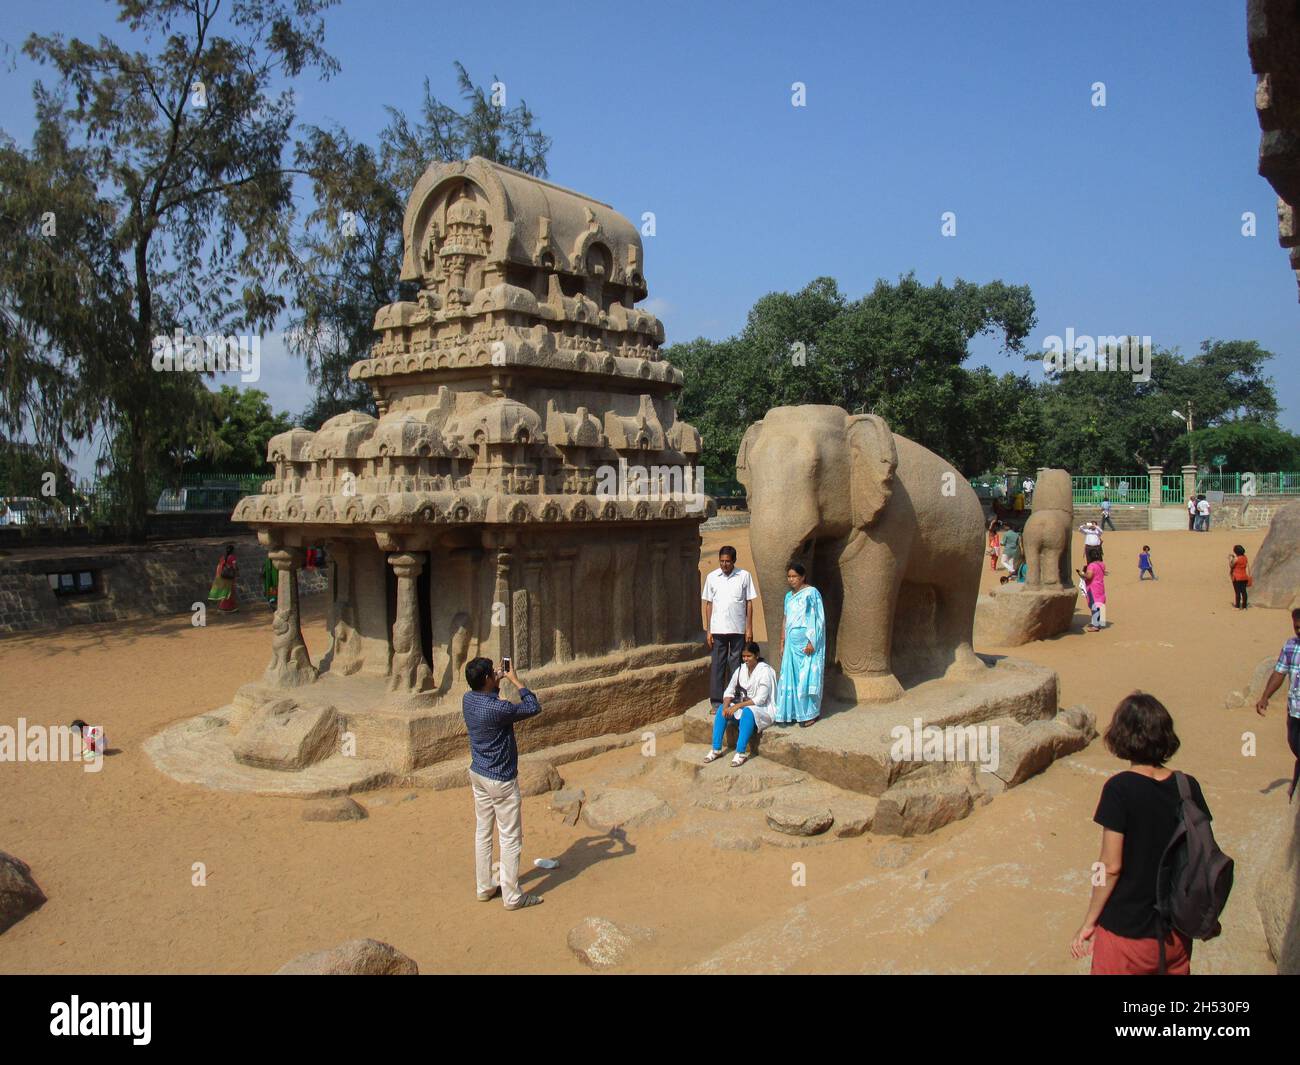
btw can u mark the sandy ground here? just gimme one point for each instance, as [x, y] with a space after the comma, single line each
[1001, 891]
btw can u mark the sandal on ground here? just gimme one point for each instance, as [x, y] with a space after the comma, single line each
[1091, 628]
[712, 756]
[527, 900]
[809, 724]
[739, 760]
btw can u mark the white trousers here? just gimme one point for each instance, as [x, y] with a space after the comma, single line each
[498, 802]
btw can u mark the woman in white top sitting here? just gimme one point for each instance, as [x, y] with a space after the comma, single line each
[750, 699]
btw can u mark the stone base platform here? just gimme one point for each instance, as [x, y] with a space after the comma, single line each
[1013, 615]
[345, 734]
[931, 755]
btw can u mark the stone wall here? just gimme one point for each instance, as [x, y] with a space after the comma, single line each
[130, 582]
[190, 525]
[1246, 512]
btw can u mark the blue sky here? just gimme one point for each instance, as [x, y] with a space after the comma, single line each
[1122, 219]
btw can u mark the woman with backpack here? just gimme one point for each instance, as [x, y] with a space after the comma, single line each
[1140, 811]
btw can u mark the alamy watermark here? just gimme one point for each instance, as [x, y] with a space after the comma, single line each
[653, 483]
[184, 352]
[950, 743]
[52, 743]
[1129, 354]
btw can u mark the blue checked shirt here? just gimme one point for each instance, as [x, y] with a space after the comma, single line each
[491, 723]
[1289, 662]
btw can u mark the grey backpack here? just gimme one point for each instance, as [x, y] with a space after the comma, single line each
[1194, 877]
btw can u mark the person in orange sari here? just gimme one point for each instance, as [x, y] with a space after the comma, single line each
[222, 591]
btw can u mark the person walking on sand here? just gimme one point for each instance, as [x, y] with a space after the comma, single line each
[494, 777]
[1144, 563]
[803, 656]
[728, 611]
[750, 700]
[995, 542]
[1094, 578]
[1239, 574]
[1287, 671]
[1139, 810]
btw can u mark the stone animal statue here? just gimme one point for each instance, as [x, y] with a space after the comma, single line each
[1048, 534]
[892, 535]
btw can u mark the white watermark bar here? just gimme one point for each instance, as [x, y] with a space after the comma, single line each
[186, 353]
[655, 484]
[52, 743]
[1088, 354]
[949, 743]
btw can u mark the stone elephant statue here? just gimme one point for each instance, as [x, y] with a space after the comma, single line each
[892, 535]
[1048, 534]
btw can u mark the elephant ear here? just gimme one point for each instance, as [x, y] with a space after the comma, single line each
[742, 456]
[873, 458]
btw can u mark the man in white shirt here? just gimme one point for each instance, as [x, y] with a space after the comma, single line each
[1091, 534]
[1191, 515]
[728, 599]
[1027, 486]
[1203, 514]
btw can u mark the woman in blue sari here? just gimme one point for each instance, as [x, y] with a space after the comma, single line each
[803, 657]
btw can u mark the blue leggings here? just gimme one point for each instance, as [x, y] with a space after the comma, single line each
[746, 729]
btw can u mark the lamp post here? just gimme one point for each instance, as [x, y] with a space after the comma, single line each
[1191, 425]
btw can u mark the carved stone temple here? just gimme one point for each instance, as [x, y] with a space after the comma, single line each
[489, 509]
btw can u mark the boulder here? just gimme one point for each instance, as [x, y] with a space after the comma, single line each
[625, 808]
[923, 803]
[728, 839]
[356, 957]
[799, 818]
[341, 808]
[1013, 615]
[537, 778]
[566, 804]
[19, 894]
[602, 944]
[1024, 751]
[1276, 569]
[1277, 895]
[286, 736]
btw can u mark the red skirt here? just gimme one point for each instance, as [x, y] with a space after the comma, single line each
[1114, 955]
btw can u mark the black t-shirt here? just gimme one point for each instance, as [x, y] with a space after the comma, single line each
[1146, 812]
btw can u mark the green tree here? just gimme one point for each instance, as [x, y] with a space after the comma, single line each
[171, 206]
[242, 424]
[897, 351]
[351, 250]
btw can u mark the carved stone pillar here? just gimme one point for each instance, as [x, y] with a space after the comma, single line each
[563, 588]
[409, 672]
[529, 644]
[290, 664]
[500, 641]
[625, 559]
[1155, 483]
[690, 565]
[658, 593]
[344, 656]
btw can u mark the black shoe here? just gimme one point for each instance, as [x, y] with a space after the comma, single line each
[809, 724]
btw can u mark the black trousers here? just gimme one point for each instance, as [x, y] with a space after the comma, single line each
[726, 660]
[1240, 588]
[1293, 741]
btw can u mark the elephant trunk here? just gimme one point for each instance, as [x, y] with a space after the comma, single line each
[777, 543]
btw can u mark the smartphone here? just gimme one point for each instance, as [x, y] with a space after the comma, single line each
[505, 665]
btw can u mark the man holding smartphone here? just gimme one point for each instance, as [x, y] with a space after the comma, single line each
[494, 776]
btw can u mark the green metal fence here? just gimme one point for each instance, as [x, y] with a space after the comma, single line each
[1250, 483]
[1122, 489]
[1171, 489]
